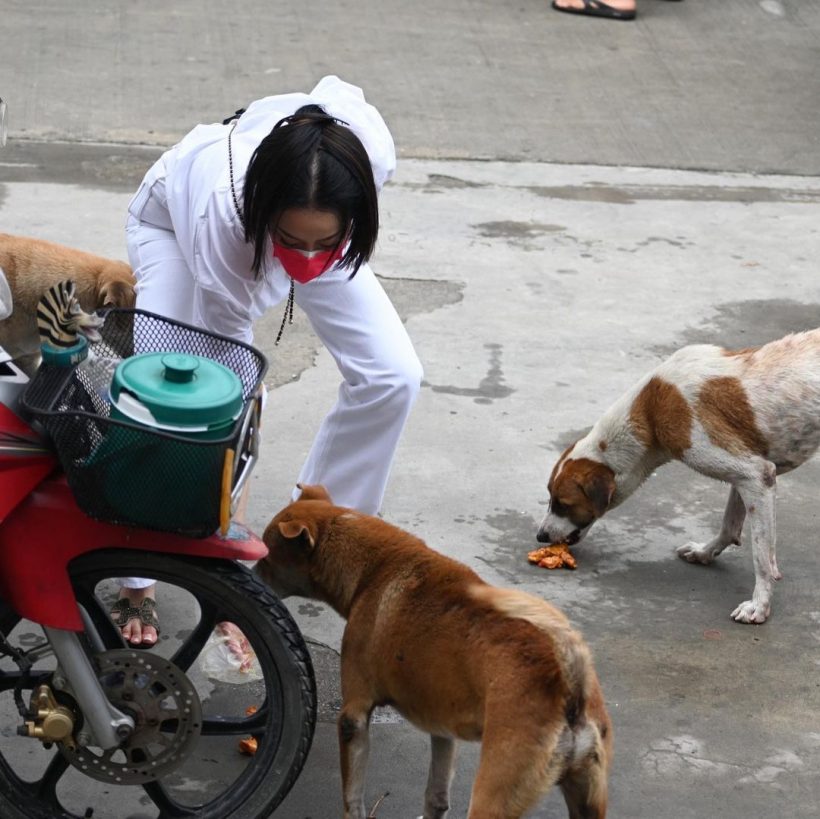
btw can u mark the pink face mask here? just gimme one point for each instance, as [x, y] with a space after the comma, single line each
[306, 265]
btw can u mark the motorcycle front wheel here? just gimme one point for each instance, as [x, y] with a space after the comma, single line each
[193, 761]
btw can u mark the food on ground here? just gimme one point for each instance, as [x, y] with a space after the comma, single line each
[248, 745]
[554, 556]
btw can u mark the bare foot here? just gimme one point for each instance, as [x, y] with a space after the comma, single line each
[619, 5]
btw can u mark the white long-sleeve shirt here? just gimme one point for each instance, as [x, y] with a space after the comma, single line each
[188, 191]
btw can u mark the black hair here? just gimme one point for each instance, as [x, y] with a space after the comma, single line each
[311, 160]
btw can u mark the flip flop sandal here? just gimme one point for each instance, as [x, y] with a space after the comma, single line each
[144, 613]
[596, 8]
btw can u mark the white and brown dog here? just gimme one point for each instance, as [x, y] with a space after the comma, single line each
[742, 416]
[457, 657]
[32, 266]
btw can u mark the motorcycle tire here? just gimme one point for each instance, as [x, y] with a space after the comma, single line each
[283, 724]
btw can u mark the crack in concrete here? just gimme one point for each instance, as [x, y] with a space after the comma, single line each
[677, 754]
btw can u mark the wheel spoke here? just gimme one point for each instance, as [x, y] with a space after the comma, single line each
[47, 786]
[192, 647]
[225, 726]
[167, 805]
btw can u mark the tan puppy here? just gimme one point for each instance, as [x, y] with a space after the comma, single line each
[31, 266]
[741, 416]
[457, 657]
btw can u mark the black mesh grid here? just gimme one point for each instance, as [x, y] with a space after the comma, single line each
[125, 473]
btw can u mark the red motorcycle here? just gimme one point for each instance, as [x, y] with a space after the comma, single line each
[91, 726]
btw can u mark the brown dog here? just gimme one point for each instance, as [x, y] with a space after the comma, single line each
[31, 266]
[457, 657]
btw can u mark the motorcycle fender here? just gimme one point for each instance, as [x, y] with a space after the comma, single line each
[18, 477]
[45, 532]
[24, 460]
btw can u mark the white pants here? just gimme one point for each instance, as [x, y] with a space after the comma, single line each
[353, 450]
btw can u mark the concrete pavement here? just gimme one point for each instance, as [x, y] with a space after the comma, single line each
[724, 86]
[576, 199]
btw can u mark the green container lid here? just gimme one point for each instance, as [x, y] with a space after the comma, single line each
[176, 391]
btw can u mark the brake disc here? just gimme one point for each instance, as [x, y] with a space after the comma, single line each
[167, 718]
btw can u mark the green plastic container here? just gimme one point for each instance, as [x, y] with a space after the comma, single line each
[169, 475]
[176, 392]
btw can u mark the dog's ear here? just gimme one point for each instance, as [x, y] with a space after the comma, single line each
[314, 492]
[116, 293]
[292, 529]
[599, 488]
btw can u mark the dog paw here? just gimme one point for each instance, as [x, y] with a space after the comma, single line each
[751, 612]
[695, 552]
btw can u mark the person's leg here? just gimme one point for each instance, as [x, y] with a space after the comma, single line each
[164, 286]
[353, 450]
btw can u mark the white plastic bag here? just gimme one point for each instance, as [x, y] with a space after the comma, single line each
[228, 656]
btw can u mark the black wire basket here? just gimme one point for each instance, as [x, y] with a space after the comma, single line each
[129, 474]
